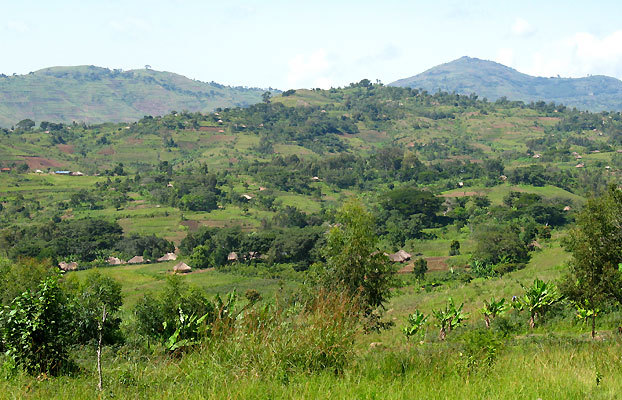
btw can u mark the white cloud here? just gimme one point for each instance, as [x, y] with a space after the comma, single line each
[579, 55]
[522, 27]
[17, 26]
[129, 24]
[309, 70]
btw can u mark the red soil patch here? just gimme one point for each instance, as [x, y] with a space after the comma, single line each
[65, 148]
[42, 163]
[108, 151]
[434, 264]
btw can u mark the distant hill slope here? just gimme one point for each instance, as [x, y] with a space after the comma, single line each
[95, 95]
[492, 80]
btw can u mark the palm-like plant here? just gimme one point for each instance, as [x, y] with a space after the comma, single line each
[415, 323]
[449, 318]
[493, 308]
[587, 312]
[538, 298]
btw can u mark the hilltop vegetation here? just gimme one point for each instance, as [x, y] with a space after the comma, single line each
[489, 79]
[297, 202]
[95, 95]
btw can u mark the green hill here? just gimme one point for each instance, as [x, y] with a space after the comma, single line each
[94, 95]
[489, 79]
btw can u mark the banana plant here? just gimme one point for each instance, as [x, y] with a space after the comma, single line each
[538, 298]
[449, 318]
[493, 308]
[415, 323]
[189, 330]
[587, 312]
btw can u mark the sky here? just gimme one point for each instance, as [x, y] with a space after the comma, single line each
[302, 44]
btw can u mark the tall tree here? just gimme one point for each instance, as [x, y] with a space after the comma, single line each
[595, 275]
[353, 262]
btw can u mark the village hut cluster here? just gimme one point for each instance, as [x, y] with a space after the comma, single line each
[72, 266]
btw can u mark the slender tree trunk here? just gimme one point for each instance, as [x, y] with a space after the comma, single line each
[100, 329]
[593, 326]
[442, 334]
[487, 320]
[532, 321]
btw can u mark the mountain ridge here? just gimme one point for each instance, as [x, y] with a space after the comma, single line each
[94, 94]
[493, 80]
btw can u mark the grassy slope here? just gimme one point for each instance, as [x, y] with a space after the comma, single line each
[95, 95]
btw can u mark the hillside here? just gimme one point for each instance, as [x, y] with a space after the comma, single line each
[489, 79]
[265, 203]
[93, 95]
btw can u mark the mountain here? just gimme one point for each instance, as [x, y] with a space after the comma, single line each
[492, 80]
[94, 95]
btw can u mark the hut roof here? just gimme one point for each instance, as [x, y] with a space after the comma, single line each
[400, 256]
[182, 268]
[115, 261]
[168, 257]
[137, 260]
[233, 256]
[72, 266]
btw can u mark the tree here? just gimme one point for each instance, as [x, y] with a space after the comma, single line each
[454, 248]
[353, 262]
[420, 267]
[98, 303]
[266, 96]
[25, 124]
[595, 276]
[496, 243]
[36, 329]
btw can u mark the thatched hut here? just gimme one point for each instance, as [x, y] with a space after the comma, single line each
[115, 261]
[400, 256]
[233, 256]
[182, 268]
[72, 266]
[168, 257]
[137, 260]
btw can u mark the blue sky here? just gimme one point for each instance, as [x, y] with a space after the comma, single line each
[293, 44]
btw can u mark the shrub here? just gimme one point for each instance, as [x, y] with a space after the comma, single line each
[36, 329]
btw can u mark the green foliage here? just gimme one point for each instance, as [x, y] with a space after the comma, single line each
[95, 294]
[353, 262]
[449, 318]
[414, 324]
[420, 267]
[454, 248]
[492, 309]
[36, 329]
[538, 299]
[499, 243]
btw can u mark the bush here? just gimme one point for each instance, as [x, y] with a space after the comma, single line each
[36, 329]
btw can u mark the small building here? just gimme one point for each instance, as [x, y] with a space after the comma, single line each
[77, 173]
[62, 172]
[182, 268]
[168, 257]
[315, 179]
[247, 196]
[137, 260]
[567, 208]
[115, 261]
[401, 256]
[233, 256]
[64, 266]
[581, 165]
[38, 171]
[6, 169]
